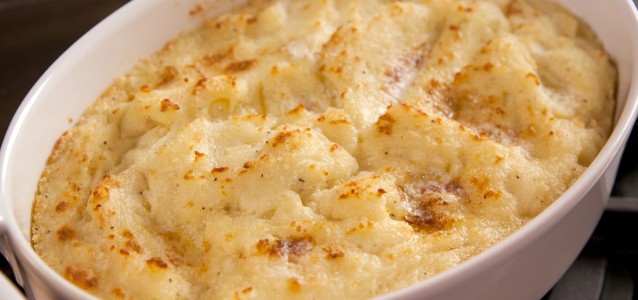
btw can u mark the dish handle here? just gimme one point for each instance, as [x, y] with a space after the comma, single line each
[9, 291]
[5, 246]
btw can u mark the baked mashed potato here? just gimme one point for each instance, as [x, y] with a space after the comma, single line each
[333, 149]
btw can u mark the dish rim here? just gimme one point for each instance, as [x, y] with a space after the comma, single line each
[21, 246]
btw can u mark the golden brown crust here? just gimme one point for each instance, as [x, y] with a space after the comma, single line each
[326, 149]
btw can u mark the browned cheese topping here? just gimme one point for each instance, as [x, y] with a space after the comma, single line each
[328, 149]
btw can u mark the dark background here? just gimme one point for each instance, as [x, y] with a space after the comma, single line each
[33, 33]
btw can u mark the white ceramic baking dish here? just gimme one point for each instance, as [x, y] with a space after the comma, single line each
[524, 266]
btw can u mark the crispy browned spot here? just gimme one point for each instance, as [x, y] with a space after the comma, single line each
[427, 217]
[176, 261]
[248, 165]
[263, 246]
[189, 175]
[462, 8]
[294, 285]
[488, 67]
[250, 19]
[352, 189]
[513, 8]
[61, 206]
[427, 214]
[421, 218]
[199, 85]
[481, 183]
[101, 192]
[109, 180]
[247, 290]
[156, 262]
[169, 73]
[385, 123]
[332, 253]
[535, 78]
[394, 75]
[65, 233]
[492, 194]
[127, 234]
[336, 70]
[412, 110]
[455, 188]
[296, 110]
[299, 246]
[340, 121]
[360, 226]
[219, 170]
[199, 155]
[118, 293]
[295, 246]
[133, 245]
[240, 66]
[145, 89]
[206, 245]
[166, 105]
[80, 278]
[210, 60]
[281, 137]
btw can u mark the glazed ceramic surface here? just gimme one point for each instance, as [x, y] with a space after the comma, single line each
[524, 266]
